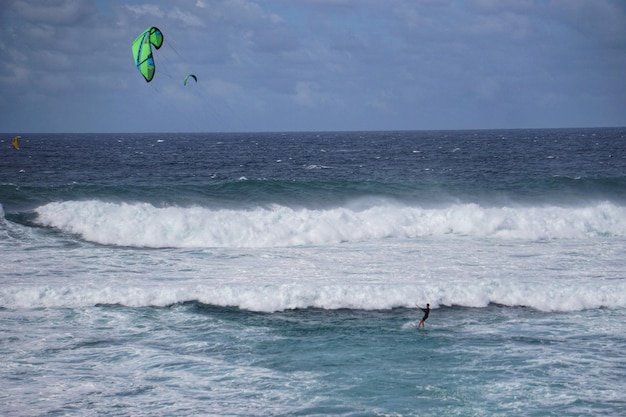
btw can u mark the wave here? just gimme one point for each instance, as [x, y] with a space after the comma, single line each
[146, 225]
[542, 296]
[242, 191]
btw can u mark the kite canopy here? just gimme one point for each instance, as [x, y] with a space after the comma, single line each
[192, 76]
[15, 141]
[142, 51]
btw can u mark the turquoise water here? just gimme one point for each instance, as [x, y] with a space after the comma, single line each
[197, 359]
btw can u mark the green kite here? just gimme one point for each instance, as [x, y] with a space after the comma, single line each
[187, 77]
[142, 51]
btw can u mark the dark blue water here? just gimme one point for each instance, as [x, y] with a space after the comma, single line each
[538, 166]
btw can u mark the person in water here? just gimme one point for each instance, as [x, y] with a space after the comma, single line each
[426, 313]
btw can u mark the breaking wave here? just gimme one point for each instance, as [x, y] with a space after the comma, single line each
[146, 225]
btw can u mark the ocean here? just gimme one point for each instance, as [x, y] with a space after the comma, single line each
[280, 274]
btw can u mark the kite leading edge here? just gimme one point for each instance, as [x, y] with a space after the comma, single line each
[190, 76]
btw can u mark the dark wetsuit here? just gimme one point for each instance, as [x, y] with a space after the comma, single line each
[426, 313]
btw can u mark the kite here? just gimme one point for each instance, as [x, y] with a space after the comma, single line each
[192, 76]
[142, 51]
[16, 145]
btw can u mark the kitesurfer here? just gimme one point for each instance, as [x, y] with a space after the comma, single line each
[426, 313]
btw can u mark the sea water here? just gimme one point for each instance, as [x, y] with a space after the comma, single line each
[279, 274]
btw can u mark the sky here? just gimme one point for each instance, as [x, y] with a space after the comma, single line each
[312, 65]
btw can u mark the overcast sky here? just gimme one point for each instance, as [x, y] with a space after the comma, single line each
[311, 65]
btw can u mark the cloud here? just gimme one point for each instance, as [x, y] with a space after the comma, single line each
[150, 10]
[307, 94]
[52, 12]
[314, 64]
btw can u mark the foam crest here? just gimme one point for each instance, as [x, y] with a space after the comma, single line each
[144, 225]
[279, 297]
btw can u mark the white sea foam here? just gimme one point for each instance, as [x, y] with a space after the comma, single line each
[144, 225]
[277, 258]
[542, 296]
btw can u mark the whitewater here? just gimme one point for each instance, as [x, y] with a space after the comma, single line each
[281, 273]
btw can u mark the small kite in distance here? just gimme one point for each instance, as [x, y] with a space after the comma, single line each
[187, 78]
[15, 142]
